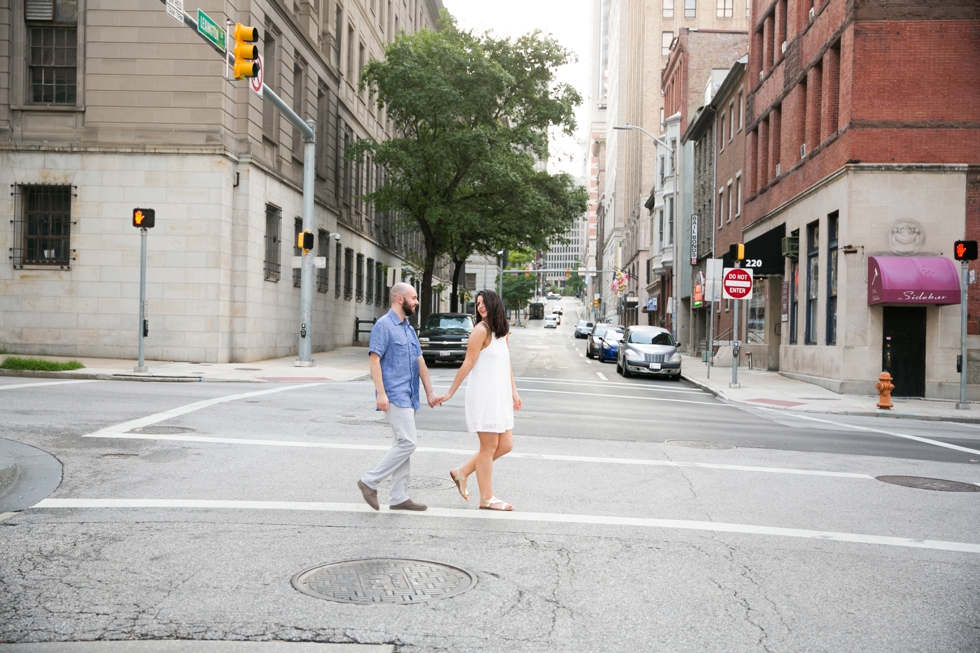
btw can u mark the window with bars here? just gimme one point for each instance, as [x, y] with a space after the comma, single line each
[323, 249]
[832, 234]
[336, 271]
[52, 32]
[42, 233]
[369, 298]
[379, 282]
[297, 251]
[348, 273]
[273, 226]
[360, 278]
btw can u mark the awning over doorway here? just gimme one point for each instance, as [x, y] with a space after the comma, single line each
[912, 280]
[763, 254]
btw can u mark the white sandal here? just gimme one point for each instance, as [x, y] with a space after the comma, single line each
[494, 501]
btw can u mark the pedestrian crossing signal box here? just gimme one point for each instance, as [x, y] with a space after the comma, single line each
[965, 250]
[304, 241]
[144, 218]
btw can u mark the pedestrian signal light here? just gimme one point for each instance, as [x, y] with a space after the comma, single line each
[144, 218]
[568, 273]
[737, 252]
[965, 250]
[698, 295]
[304, 241]
[245, 53]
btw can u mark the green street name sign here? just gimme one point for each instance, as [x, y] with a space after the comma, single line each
[210, 30]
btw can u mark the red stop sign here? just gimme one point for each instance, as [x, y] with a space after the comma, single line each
[737, 283]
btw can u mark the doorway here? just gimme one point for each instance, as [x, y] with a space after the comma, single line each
[903, 349]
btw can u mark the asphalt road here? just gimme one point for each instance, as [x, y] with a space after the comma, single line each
[649, 516]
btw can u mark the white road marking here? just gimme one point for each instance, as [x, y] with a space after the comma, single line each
[190, 408]
[559, 518]
[38, 385]
[632, 386]
[601, 376]
[872, 430]
[466, 452]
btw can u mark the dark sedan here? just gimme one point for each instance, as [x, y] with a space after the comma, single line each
[609, 350]
[594, 341]
[648, 350]
[444, 336]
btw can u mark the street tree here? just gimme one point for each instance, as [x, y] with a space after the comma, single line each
[471, 114]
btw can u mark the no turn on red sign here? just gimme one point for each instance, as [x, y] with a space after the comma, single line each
[736, 283]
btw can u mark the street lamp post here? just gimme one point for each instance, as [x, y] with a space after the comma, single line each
[673, 158]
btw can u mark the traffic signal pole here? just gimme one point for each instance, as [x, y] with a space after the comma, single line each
[964, 279]
[141, 364]
[308, 131]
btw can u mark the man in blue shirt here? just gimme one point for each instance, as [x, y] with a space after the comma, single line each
[396, 366]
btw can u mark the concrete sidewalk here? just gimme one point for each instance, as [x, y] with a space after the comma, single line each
[772, 390]
[342, 364]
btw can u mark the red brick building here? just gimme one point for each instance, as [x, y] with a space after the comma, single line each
[863, 144]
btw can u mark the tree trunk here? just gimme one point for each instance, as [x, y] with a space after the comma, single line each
[425, 307]
[454, 300]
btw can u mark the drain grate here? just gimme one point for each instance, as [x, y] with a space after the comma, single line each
[937, 484]
[161, 430]
[384, 580]
[424, 483]
[699, 444]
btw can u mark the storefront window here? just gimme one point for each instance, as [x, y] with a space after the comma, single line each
[812, 281]
[832, 230]
[756, 329]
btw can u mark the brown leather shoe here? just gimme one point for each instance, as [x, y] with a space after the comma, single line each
[371, 496]
[409, 505]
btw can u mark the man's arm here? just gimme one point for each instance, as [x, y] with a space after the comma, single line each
[379, 386]
[427, 384]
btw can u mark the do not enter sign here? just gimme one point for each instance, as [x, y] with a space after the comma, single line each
[736, 283]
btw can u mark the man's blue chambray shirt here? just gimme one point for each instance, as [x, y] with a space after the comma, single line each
[395, 342]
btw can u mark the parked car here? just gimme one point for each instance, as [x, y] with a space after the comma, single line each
[649, 350]
[583, 329]
[444, 336]
[609, 348]
[551, 322]
[594, 340]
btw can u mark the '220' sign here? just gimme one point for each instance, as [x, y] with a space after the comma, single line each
[752, 263]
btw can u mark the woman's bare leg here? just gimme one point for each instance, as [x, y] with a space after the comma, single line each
[504, 446]
[484, 463]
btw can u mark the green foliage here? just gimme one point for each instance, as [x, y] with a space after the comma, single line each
[518, 290]
[473, 114]
[574, 285]
[39, 364]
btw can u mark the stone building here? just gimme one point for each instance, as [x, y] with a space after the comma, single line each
[697, 58]
[863, 147]
[108, 106]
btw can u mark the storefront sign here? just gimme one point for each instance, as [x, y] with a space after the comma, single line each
[651, 304]
[694, 240]
[763, 254]
[912, 280]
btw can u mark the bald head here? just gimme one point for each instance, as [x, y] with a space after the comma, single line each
[409, 299]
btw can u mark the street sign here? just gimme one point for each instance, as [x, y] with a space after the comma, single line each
[255, 83]
[175, 9]
[210, 30]
[694, 240]
[736, 283]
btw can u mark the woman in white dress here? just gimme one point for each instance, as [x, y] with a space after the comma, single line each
[491, 397]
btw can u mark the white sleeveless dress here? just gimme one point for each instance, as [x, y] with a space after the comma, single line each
[489, 396]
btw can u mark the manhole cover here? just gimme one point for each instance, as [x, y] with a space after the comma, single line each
[699, 444]
[383, 580]
[423, 483]
[161, 430]
[937, 484]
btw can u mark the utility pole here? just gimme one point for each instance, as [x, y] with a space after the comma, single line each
[144, 220]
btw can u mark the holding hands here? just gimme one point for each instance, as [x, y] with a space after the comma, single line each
[517, 401]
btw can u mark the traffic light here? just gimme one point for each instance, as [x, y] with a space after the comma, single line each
[965, 250]
[144, 218]
[698, 295]
[596, 303]
[737, 252]
[304, 241]
[245, 53]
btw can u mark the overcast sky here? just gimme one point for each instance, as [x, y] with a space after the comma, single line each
[568, 22]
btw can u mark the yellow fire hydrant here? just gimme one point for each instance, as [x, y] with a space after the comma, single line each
[884, 387]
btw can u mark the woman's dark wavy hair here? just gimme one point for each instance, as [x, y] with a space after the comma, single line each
[496, 315]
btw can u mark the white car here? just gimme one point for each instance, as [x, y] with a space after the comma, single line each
[551, 322]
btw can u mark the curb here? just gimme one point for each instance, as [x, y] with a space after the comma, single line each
[9, 475]
[853, 413]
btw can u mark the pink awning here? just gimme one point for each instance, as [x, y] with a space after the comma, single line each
[912, 280]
